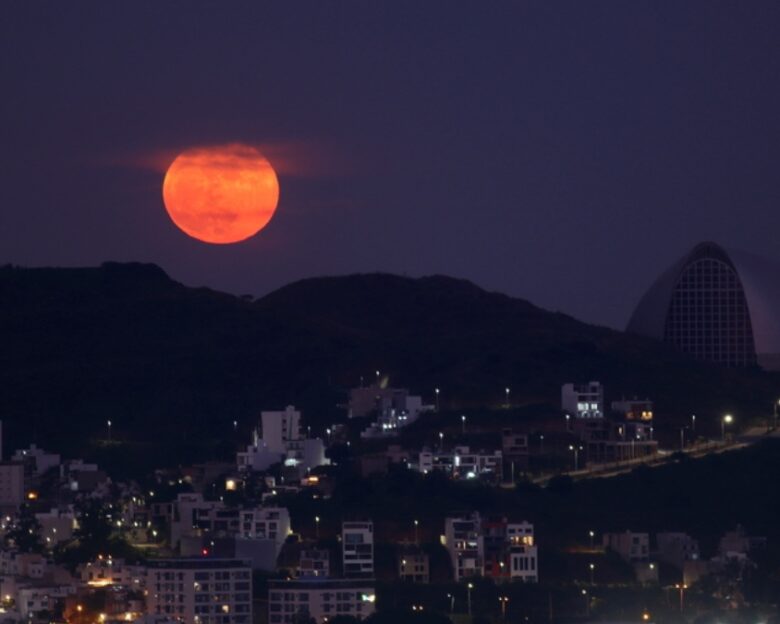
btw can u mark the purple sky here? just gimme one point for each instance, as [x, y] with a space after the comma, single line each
[563, 152]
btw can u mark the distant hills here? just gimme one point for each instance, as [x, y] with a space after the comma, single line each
[167, 363]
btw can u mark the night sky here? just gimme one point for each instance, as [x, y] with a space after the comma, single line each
[563, 152]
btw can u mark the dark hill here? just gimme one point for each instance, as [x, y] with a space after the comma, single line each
[167, 363]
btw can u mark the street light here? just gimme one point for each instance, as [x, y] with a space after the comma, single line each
[463, 424]
[592, 568]
[441, 441]
[693, 425]
[469, 587]
[682, 587]
[416, 536]
[568, 421]
[587, 601]
[452, 602]
[576, 450]
[317, 526]
[727, 420]
[437, 391]
[591, 535]
[503, 600]
[109, 430]
[541, 444]
[506, 392]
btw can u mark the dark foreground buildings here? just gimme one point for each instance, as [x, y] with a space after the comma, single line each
[718, 305]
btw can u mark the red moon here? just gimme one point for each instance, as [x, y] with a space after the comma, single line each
[222, 194]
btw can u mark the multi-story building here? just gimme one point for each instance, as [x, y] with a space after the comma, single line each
[320, 599]
[357, 542]
[413, 565]
[460, 462]
[583, 400]
[634, 409]
[283, 440]
[272, 523]
[463, 540]
[523, 553]
[201, 591]
[313, 563]
[630, 546]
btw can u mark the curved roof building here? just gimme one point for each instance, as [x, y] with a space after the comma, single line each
[718, 305]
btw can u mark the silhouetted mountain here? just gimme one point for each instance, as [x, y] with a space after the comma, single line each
[167, 363]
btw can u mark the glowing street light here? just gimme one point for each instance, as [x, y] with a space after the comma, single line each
[108, 422]
[591, 535]
[727, 420]
[576, 450]
[568, 422]
[463, 424]
[682, 587]
[452, 602]
[317, 526]
[592, 568]
[503, 600]
[506, 393]
[693, 425]
[437, 391]
[416, 532]
[469, 587]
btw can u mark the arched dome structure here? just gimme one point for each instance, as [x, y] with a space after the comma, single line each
[718, 305]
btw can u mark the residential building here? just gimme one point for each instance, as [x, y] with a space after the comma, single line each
[313, 563]
[583, 400]
[630, 546]
[464, 542]
[460, 462]
[282, 441]
[201, 591]
[320, 599]
[357, 542]
[413, 565]
[634, 409]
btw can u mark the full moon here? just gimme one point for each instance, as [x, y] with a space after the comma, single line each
[221, 194]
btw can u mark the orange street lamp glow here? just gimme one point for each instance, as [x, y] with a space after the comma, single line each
[221, 194]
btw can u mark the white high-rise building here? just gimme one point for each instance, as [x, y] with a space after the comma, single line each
[357, 542]
[201, 591]
[281, 427]
[282, 440]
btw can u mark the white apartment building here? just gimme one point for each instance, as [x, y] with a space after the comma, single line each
[200, 591]
[460, 462]
[632, 547]
[320, 599]
[357, 543]
[271, 523]
[523, 554]
[583, 400]
[282, 440]
[463, 540]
